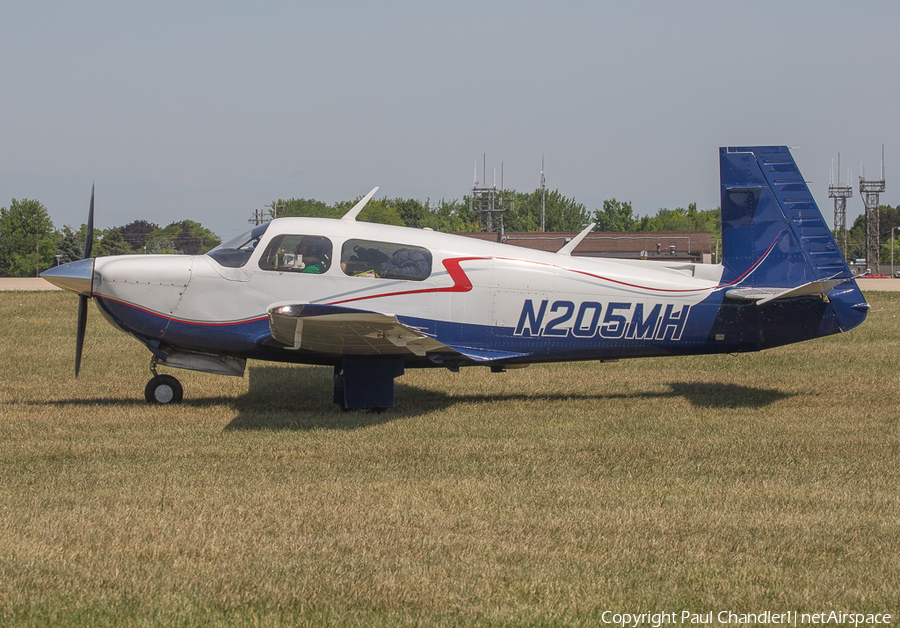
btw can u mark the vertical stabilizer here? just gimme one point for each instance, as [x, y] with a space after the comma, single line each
[773, 234]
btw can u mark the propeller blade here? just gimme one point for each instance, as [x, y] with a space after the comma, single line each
[79, 332]
[89, 238]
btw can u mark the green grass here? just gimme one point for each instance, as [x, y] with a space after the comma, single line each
[543, 496]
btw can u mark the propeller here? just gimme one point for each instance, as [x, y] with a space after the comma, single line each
[83, 299]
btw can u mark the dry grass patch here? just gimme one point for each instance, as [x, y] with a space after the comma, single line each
[535, 497]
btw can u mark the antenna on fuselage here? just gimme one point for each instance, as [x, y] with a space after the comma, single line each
[569, 246]
[354, 211]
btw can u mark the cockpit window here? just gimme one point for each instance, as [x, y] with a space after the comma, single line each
[297, 254]
[364, 258]
[235, 252]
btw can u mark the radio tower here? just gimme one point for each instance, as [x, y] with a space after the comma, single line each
[869, 191]
[486, 200]
[840, 194]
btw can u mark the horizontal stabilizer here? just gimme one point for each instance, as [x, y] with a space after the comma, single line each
[763, 295]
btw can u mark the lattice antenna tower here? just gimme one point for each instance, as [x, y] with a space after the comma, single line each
[870, 191]
[487, 200]
[840, 194]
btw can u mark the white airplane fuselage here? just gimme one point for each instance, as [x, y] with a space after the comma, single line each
[195, 303]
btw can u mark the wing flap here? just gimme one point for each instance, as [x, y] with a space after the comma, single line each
[346, 332]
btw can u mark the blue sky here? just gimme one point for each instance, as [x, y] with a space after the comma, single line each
[209, 110]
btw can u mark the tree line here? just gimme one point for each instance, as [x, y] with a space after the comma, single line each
[522, 213]
[29, 242]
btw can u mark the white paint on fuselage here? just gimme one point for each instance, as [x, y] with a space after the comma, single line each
[198, 289]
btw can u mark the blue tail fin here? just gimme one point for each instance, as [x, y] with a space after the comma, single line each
[773, 234]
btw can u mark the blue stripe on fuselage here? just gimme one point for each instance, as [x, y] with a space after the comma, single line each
[232, 338]
[652, 329]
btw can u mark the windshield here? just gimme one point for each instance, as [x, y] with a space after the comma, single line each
[237, 251]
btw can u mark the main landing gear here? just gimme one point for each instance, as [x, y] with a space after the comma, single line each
[162, 389]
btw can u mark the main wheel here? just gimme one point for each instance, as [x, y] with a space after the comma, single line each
[163, 389]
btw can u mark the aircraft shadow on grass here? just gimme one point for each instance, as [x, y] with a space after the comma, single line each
[298, 399]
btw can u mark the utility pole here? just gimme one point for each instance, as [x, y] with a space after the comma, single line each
[37, 249]
[273, 209]
[543, 197]
[258, 217]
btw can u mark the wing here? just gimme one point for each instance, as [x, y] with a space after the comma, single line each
[345, 331]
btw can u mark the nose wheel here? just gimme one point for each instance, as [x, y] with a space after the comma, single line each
[162, 389]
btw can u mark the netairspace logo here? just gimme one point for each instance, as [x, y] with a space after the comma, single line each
[788, 618]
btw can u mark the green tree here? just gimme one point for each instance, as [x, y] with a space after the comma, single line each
[379, 211]
[413, 213]
[446, 216]
[135, 233]
[105, 242]
[615, 216]
[158, 244]
[188, 237]
[308, 207]
[681, 219]
[70, 246]
[451, 217]
[110, 242]
[670, 220]
[27, 239]
[560, 213]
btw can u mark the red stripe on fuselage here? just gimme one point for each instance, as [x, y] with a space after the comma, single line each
[461, 282]
[181, 320]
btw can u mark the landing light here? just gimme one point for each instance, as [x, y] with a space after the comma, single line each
[286, 309]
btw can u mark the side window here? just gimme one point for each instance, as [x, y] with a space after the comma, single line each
[364, 258]
[297, 254]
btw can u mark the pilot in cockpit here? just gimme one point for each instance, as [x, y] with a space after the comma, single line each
[310, 256]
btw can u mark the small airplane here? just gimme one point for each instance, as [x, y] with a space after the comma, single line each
[372, 300]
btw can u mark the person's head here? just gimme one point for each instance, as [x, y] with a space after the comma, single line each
[310, 250]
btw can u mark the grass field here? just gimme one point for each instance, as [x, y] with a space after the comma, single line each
[543, 496]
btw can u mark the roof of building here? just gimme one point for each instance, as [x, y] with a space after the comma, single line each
[669, 244]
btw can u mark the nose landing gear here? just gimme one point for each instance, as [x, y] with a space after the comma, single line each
[162, 389]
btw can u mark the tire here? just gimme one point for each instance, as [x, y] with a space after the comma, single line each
[163, 389]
